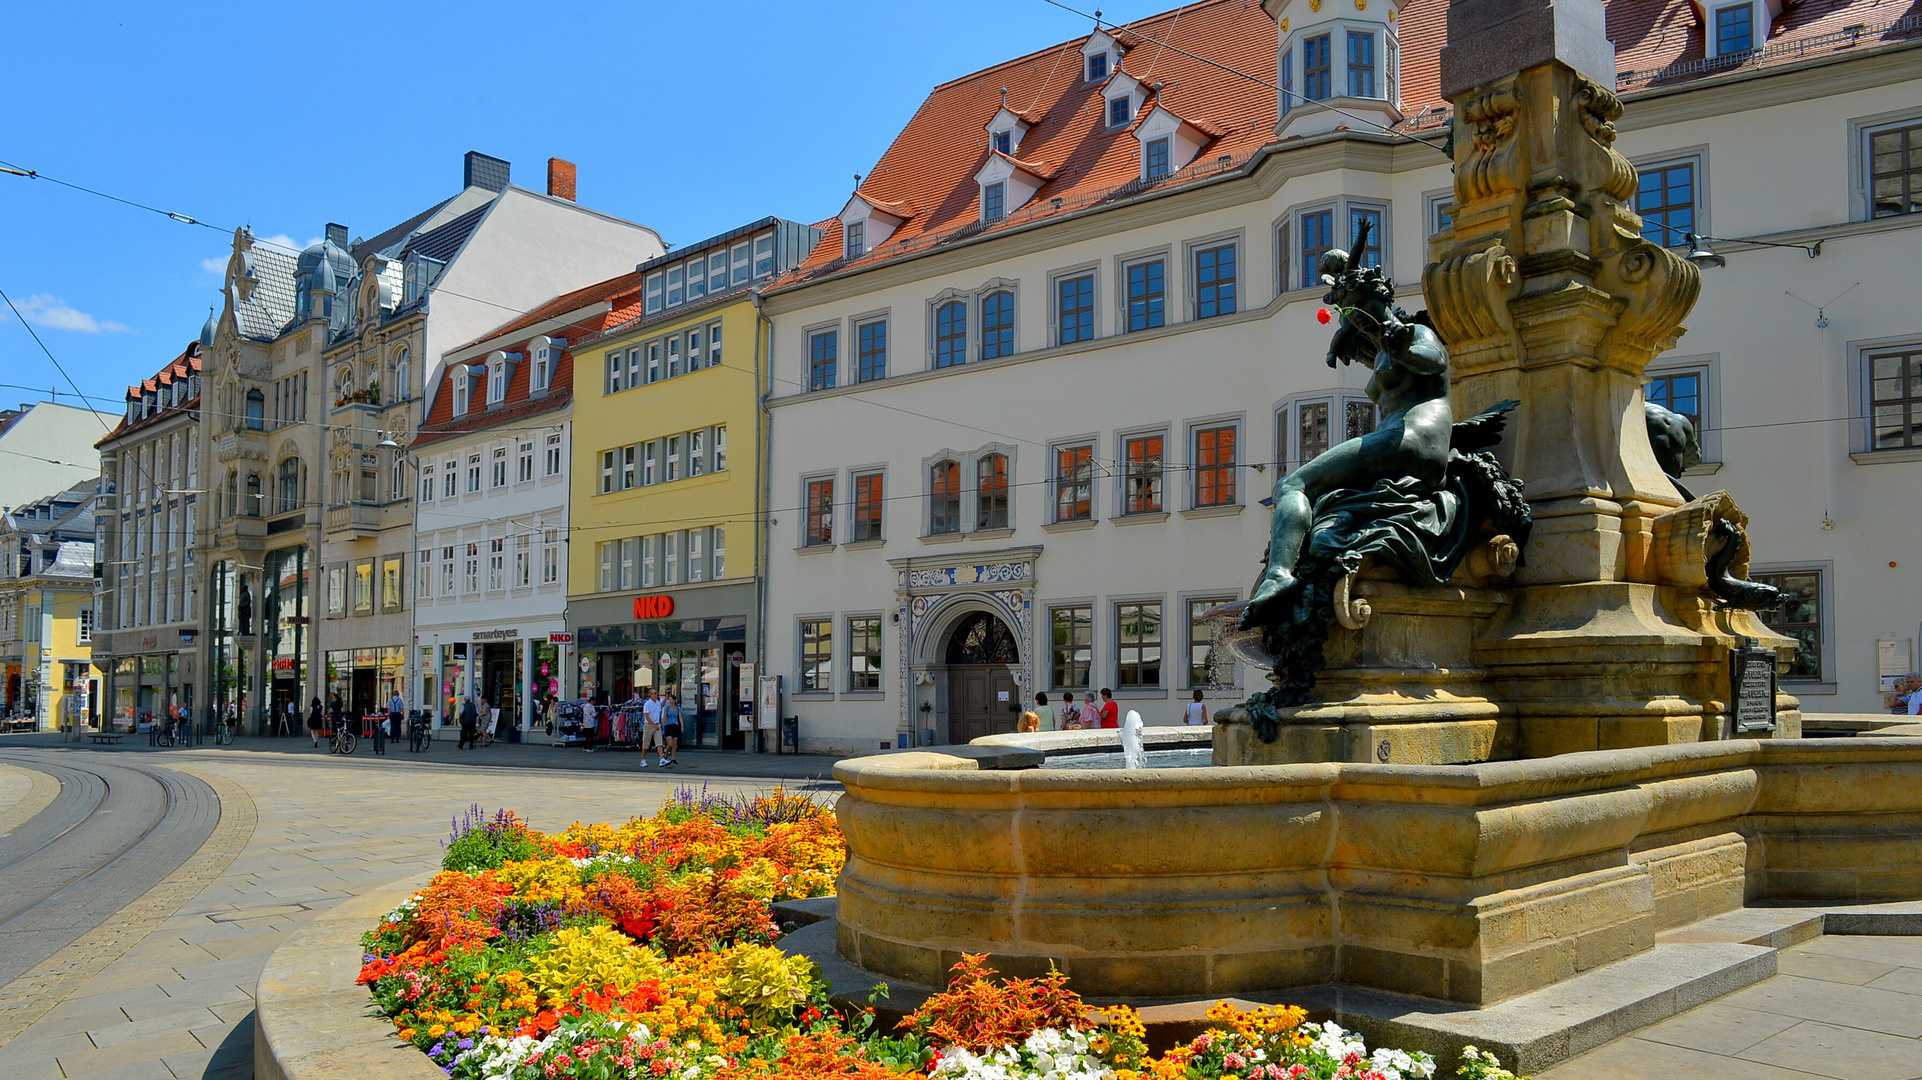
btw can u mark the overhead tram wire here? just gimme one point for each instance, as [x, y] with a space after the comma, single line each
[56, 363]
[1303, 101]
[6, 166]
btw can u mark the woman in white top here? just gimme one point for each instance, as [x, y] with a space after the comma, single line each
[1197, 713]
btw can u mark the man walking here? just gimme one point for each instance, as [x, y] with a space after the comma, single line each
[469, 717]
[651, 728]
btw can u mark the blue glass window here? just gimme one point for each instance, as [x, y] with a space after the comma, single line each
[824, 350]
[1215, 281]
[1120, 111]
[951, 334]
[1317, 236]
[997, 325]
[871, 346]
[1361, 64]
[1157, 158]
[1665, 197]
[1147, 295]
[1315, 69]
[1075, 303]
[1734, 30]
[994, 201]
[1356, 215]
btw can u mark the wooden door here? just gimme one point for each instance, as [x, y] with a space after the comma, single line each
[982, 700]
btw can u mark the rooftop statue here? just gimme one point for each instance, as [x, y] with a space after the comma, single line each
[1416, 493]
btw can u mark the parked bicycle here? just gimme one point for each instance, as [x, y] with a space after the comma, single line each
[343, 742]
[224, 733]
[420, 735]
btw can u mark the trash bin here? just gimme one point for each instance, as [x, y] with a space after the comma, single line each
[791, 734]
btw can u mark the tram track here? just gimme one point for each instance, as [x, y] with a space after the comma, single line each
[113, 832]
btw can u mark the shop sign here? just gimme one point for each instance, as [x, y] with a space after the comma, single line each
[496, 635]
[149, 641]
[560, 639]
[653, 607]
[284, 664]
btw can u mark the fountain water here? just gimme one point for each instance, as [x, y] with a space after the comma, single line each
[1132, 754]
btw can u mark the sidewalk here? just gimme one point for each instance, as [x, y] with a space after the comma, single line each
[693, 764]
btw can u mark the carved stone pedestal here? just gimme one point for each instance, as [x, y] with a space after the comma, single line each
[1402, 685]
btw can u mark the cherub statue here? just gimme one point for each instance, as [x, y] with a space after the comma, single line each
[1415, 494]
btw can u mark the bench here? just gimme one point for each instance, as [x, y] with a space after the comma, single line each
[10, 726]
[109, 737]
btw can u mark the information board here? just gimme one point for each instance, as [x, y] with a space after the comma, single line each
[1752, 688]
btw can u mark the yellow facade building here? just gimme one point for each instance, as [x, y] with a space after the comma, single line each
[47, 612]
[665, 559]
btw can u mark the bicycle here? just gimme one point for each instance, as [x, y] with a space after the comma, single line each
[223, 734]
[343, 742]
[163, 736]
[419, 735]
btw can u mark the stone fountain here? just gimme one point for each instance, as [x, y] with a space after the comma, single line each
[1522, 724]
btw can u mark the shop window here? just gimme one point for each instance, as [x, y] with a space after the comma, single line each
[864, 653]
[1138, 645]
[1072, 649]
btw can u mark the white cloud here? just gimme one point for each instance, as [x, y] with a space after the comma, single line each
[54, 313]
[279, 241]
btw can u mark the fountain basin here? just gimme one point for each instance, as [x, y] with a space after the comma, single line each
[1466, 883]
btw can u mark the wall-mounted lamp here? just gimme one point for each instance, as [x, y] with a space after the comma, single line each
[1703, 256]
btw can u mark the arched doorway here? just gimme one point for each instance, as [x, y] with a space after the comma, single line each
[982, 699]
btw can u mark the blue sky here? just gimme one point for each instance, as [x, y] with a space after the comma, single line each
[692, 118]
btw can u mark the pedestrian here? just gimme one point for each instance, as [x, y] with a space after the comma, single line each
[651, 710]
[1110, 712]
[313, 722]
[1914, 697]
[587, 724]
[1196, 714]
[336, 713]
[396, 712]
[469, 719]
[1070, 713]
[671, 731]
[493, 720]
[1044, 715]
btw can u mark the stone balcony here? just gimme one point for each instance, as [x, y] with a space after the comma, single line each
[242, 532]
[231, 446]
[353, 521]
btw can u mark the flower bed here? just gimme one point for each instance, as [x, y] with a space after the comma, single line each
[646, 950]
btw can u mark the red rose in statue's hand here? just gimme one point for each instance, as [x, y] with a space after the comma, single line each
[1323, 316]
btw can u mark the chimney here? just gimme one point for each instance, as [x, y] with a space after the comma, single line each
[337, 233]
[481, 171]
[560, 178]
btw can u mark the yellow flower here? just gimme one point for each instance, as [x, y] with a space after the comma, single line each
[437, 1030]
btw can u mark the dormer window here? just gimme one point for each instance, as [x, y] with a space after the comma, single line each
[1004, 141]
[463, 389]
[1097, 67]
[866, 224]
[546, 353]
[1100, 56]
[994, 201]
[500, 370]
[1154, 160]
[1734, 30]
[856, 239]
[654, 293]
[1120, 111]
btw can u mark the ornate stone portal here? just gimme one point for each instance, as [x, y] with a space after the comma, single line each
[1606, 632]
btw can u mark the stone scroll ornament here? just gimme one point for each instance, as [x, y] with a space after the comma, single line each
[1672, 436]
[1415, 494]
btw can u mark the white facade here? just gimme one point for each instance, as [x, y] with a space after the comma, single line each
[490, 567]
[1778, 153]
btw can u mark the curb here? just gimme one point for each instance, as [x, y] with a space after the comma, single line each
[313, 1021]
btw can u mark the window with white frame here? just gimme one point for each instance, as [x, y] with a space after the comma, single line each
[871, 350]
[1666, 195]
[1894, 397]
[608, 474]
[951, 334]
[671, 558]
[650, 462]
[673, 356]
[1361, 64]
[855, 236]
[1155, 158]
[553, 455]
[695, 349]
[1215, 280]
[997, 325]
[1892, 168]
[650, 561]
[696, 452]
[1074, 482]
[550, 557]
[763, 255]
[676, 286]
[720, 448]
[1215, 464]
[450, 479]
[994, 201]
[608, 554]
[473, 473]
[523, 563]
[671, 467]
[651, 352]
[525, 470]
[696, 279]
[713, 344]
[496, 558]
[497, 382]
[694, 563]
[944, 498]
[616, 372]
[447, 570]
[742, 256]
[542, 373]
[463, 388]
[655, 292]
[717, 557]
[424, 574]
[627, 467]
[500, 466]
[1142, 473]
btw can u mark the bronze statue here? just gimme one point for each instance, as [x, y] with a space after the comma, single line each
[1416, 494]
[1672, 436]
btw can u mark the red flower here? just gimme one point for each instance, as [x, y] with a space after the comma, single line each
[1324, 316]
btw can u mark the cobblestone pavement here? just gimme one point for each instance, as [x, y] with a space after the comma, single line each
[1846, 1008]
[164, 989]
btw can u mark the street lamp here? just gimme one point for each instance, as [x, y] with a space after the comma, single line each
[1703, 256]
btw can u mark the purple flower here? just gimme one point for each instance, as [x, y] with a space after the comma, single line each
[434, 1050]
[464, 1044]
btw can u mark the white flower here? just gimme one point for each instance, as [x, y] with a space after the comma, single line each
[1401, 1065]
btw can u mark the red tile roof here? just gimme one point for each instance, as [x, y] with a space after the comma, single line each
[927, 174]
[186, 365]
[623, 294]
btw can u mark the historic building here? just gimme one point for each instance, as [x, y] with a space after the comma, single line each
[47, 614]
[664, 568]
[147, 640]
[319, 359]
[491, 512]
[48, 448]
[1030, 389]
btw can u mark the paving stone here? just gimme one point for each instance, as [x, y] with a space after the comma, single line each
[255, 944]
[1639, 1059]
[132, 1053]
[1829, 967]
[1859, 1007]
[1845, 1053]
[234, 1012]
[1904, 951]
[1718, 1028]
[165, 1023]
[1907, 980]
